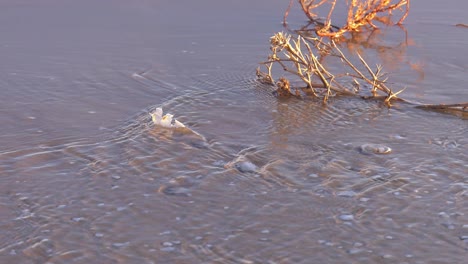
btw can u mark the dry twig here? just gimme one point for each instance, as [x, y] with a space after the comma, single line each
[360, 13]
[300, 59]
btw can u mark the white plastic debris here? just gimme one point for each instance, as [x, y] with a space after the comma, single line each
[166, 120]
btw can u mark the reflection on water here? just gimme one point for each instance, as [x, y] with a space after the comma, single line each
[84, 178]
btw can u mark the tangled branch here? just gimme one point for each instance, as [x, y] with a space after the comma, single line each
[360, 13]
[303, 59]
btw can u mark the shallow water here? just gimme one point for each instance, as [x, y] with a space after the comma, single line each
[85, 177]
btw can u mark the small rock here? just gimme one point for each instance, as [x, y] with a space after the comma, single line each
[353, 251]
[120, 245]
[77, 219]
[175, 190]
[374, 149]
[167, 244]
[346, 217]
[346, 194]
[219, 163]
[168, 249]
[246, 166]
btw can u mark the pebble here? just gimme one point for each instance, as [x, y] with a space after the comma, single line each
[119, 245]
[346, 194]
[353, 251]
[346, 217]
[168, 249]
[246, 166]
[449, 226]
[219, 163]
[176, 191]
[375, 149]
[167, 244]
[78, 219]
[464, 238]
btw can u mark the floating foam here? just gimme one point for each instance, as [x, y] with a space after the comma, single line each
[167, 120]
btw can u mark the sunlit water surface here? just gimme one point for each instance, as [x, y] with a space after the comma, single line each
[86, 178]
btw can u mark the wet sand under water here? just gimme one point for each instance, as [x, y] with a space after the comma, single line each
[86, 177]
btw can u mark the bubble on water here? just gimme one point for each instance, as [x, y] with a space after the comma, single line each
[265, 231]
[99, 235]
[167, 244]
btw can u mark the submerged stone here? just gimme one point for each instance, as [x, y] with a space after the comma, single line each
[246, 166]
[346, 194]
[175, 190]
[374, 149]
[346, 217]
